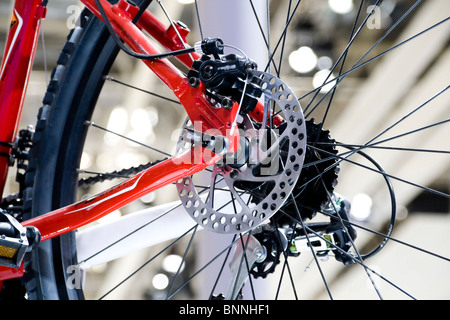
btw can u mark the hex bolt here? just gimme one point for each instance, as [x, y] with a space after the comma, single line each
[234, 173]
[208, 72]
[260, 254]
[227, 103]
[194, 82]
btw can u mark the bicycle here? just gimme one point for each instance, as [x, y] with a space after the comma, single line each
[250, 166]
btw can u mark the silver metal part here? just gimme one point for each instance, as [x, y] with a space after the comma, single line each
[218, 144]
[229, 207]
[239, 265]
[319, 244]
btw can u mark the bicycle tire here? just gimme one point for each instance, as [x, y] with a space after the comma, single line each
[88, 53]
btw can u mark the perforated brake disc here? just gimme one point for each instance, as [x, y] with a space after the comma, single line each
[245, 189]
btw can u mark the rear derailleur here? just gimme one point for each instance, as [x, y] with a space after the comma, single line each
[263, 247]
[324, 238]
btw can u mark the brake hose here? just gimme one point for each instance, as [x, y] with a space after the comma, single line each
[119, 42]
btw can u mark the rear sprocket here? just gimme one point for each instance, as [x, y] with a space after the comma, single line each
[318, 178]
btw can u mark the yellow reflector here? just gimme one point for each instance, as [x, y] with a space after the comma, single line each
[6, 252]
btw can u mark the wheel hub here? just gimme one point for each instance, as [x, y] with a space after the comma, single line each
[226, 206]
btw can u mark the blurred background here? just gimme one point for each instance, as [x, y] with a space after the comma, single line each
[388, 87]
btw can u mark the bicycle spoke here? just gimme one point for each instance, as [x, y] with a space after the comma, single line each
[408, 115]
[142, 226]
[111, 79]
[371, 144]
[343, 55]
[306, 231]
[281, 37]
[92, 124]
[344, 58]
[197, 13]
[344, 227]
[265, 38]
[391, 238]
[182, 261]
[300, 206]
[226, 249]
[247, 267]
[129, 234]
[237, 198]
[360, 146]
[355, 259]
[375, 145]
[284, 40]
[286, 266]
[360, 263]
[410, 132]
[219, 274]
[365, 55]
[148, 261]
[355, 67]
[439, 193]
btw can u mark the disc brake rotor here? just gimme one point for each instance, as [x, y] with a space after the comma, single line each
[220, 199]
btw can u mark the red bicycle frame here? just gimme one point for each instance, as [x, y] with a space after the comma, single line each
[15, 71]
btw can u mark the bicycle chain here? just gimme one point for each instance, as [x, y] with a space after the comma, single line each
[124, 173]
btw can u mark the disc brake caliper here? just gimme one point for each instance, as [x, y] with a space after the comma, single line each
[225, 80]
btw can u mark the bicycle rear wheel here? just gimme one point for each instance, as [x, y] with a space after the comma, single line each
[318, 223]
[58, 143]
